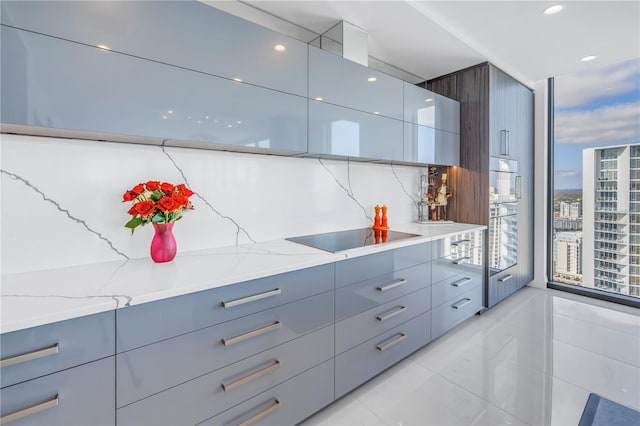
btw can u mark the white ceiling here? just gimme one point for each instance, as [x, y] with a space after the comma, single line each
[433, 38]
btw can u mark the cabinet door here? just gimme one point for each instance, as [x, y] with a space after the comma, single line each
[502, 285]
[342, 82]
[503, 100]
[58, 84]
[431, 146]
[335, 130]
[430, 109]
[188, 34]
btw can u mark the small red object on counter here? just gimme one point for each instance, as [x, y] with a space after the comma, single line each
[380, 222]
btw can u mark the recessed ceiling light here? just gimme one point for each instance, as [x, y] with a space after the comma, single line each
[428, 100]
[229, 125]
[552, 10]
[371, 79]
[588, 58]
[318, 99]
[237, 79]
[170, 111]
[103, 47]
[376, 112]
[279, 48]
[164, 117]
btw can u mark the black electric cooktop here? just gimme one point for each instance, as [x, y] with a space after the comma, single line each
[345, 240]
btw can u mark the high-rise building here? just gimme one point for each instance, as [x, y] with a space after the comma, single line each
[611, 221]
[571, 210]
[568, 256]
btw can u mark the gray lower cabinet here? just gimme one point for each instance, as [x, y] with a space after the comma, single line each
[338, 131]
[285, 404]
[457, 309]
[503, 284]
[126, 96]
[357, 365]
[188, 34]
[197, 400]
[82, 396]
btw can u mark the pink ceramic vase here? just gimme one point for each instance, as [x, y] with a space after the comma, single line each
[163, 245]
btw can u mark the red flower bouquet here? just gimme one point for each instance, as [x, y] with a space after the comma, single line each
[155, 202]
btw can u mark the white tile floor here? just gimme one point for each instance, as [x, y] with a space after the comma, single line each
[532, 359]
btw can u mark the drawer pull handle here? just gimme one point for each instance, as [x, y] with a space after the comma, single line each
[391, 342]
[254, 333]
[461, 303]
[273, 407]
[462, 260]
[19, 359]
[391, 314]
[251, 377]
[461, 282]
[248, 299]
[505, 278]
[392, 284]
[455, 243]
[21, 414]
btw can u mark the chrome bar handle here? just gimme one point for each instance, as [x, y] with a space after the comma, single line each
[461, 282]
[390, 342]
[462, 260]
[261, 414]
[25, 412]
[230, 341]
[251, 377]
[392, 284]
[505, 142]
[253, 298]
[30, 356]
[391, 314]
[461, 303]
[505, 278]
[455, 243]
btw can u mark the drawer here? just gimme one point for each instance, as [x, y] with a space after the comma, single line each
[149, 322]
[502, 285]
[373, 265]
[363, 362]
[457, 244]
[80, 396]
[368, 324]
[454, 311]
[452, 266]
[199, 399]
[453, 287]
[34, 352]
[286, 404]
[205, 350]
[371, 293]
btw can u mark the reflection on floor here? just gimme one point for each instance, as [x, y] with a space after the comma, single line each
[532, 359]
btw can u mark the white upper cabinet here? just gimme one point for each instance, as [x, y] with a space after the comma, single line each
[429, 109]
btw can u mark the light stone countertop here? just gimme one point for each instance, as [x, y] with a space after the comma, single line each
[41, 297]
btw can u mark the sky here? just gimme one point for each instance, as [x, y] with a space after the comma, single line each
[593, 108]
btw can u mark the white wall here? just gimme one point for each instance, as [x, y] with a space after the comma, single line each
[62, 199]
[541, 165]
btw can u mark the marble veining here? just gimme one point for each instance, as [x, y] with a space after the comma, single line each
[349, 190]
[402, 186]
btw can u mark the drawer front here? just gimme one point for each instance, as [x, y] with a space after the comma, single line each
[199, 399]
[286, 404]
[148, 323]
[454, 311]
[502, 285]
[80, 396]
[366, 267]
[34, 352]
[363, 362]
[369, 294]
[364, 326]
[452, 266]
[453, 287]
[458, 244]
[215, 347]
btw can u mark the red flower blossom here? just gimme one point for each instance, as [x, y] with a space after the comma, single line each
[180, 199]
[129, 196]
[143, 208]
[152, 185]
[184, 190]
[167, 188]
[167, 204]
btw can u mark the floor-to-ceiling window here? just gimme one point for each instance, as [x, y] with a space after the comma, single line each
[595, 146]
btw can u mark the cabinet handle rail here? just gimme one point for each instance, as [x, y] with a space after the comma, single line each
[461, 282]
[505, 278]
[456, 243]
[391, 314]
[391, 342]
[392, 284]
[270, 409]
[25, 412]
[461, 303]
[253, 298]
[30, 356]
[462, 260]
[230, 341]
[251, 377]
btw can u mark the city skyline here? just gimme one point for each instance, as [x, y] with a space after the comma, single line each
[594, 108]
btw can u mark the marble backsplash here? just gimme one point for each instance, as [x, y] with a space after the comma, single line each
[62, 198]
